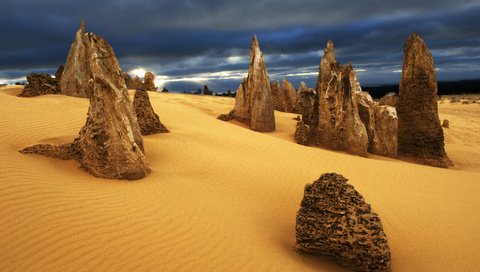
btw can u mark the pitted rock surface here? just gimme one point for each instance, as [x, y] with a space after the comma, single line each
[334, 220]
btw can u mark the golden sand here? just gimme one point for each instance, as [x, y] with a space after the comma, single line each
[220, 197]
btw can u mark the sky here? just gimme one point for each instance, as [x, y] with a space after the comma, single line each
[188, 44]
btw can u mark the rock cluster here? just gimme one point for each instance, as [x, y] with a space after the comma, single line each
[420, 135]
[130, 82]
[335, 221]
[253, 102]
[39, 84]
[339, 116]
[87, 51]
[110, 144]
[147, 119]
[284, 98]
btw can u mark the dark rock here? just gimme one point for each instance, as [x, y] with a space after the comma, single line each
[129, 82]
[206, 91]
[446, 123]
[335, 221]
[253, 102]
[147, 119]
[89, 50]
[164, 90]
[278, 103]
[40, 84]
[59, 74]
[420, 135]
[302, 133]
[284, 98]
[306, 102]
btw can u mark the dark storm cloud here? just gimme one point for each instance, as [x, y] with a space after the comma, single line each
[192, 38]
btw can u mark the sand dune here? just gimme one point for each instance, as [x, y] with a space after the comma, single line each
[220, 197]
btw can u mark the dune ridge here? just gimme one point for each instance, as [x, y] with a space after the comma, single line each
[220, 196]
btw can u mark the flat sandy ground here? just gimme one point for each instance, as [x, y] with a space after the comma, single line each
[220, 197]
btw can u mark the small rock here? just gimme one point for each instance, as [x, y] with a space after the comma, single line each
[335, 221]
[446, 123]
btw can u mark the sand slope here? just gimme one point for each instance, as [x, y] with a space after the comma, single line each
[220, 197]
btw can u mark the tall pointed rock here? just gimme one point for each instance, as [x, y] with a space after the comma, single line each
[110, 143]
[86, 51]
[253, 103]
[420, 135]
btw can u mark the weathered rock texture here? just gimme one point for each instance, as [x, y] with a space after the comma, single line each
[305, 103]
[59, 74]
[381, 123]
[39, 84]
[110, 143]
[149, 82]
[284, 98]
[420, 135]
[207, 91]
[147, 119]
[390, 99]
[253, 102]
[335, 221]
[87, 51]
[338, 125]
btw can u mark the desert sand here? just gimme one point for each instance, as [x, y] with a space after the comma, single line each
[220, 197]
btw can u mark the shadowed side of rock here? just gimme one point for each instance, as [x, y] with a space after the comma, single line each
[335, 221]
[147, 119]
[420, 135]
[149, 82]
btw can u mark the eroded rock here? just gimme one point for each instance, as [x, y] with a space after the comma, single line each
[335, 221]
[149, 82]
[338, 125]
[253, 102]
[390, 99]
[89, 50]
[420, 135]
[40, 84]
[110, 144]
[147, 119]
[207, 91]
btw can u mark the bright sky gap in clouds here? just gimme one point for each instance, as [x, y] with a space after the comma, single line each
[188, 44]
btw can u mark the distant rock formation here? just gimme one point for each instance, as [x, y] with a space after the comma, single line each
[147, 119]
[164, 90]
[278, 103]
[390, 99]
[110, 143]
[338, 125]
[130, 82]
[89, 50]
[305, 103]
[137, 82]
[290, 96]
[40, 84]
[206, 91]
[253, 102]
[335, 221]
[284, 98]
[420, 135]
[149, 82]
[381, 123]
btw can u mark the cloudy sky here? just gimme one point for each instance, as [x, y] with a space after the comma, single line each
[189, 43]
